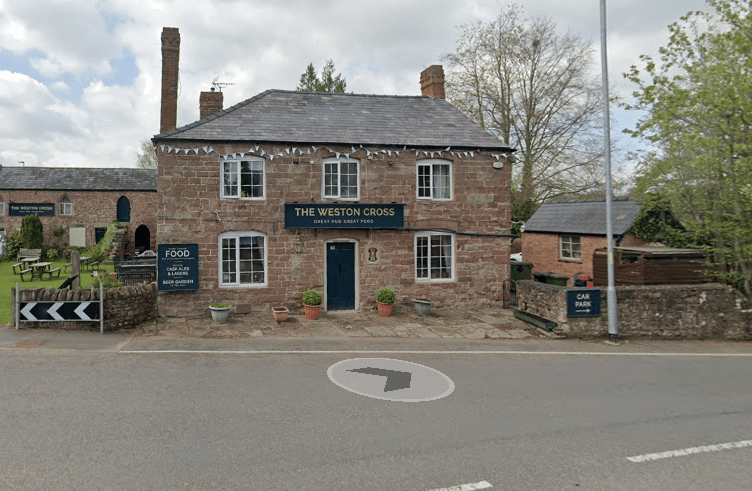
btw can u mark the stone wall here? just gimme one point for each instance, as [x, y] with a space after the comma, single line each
[91, 209]
[125, 307]
[707, 311]
[190, 211]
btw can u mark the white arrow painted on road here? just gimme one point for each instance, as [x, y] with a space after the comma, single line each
[53, 311]
[80, 311]
[26, 311]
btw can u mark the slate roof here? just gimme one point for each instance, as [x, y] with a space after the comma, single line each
[78, 179]
[582, 217]
[324, 118]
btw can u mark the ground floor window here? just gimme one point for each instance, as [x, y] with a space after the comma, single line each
[570, 246]
[434, 256]
[243, 259]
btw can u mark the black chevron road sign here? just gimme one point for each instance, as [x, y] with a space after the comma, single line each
[58, 311]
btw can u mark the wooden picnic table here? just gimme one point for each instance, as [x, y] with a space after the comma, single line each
[39, 268]
[29, 260]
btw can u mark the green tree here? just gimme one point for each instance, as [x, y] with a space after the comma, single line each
[32, 232]
[657, 223]
[310, 82]
[697, 101]
[146, 157]
[536, 90]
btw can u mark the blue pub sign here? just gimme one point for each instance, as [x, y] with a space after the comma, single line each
[177, 267]
[583, 303]
[24, 209]
[344, 215]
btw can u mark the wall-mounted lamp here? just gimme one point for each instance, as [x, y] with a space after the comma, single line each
[390, 163]
[298, 246]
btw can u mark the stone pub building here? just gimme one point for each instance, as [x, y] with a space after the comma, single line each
[343, 193]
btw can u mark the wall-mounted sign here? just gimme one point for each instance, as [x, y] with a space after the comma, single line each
[23, 209]
[177, 267]
[344, 215]
[583, 303]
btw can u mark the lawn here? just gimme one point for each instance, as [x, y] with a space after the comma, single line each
[8, 282]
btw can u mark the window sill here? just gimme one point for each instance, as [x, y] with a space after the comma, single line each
[245, 286]
[569, 260]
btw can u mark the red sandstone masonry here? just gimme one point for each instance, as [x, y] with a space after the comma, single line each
[185, 214]
[91, 209]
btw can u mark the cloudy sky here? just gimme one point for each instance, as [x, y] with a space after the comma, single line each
[80, 79]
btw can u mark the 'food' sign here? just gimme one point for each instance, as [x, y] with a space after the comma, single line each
[177, 267]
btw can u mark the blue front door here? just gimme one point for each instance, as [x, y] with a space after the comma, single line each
[340, 276]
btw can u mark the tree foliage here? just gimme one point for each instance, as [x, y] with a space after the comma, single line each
[146, 157]
[32, 232]
[310, 81]
[535, 90]
[697, 101]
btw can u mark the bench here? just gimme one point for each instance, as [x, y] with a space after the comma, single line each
[17, 265]
[27, 253]
[50, 273]
[31, 274]
[92, 265]
[67, 266]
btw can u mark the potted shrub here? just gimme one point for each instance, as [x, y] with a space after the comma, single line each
[311, 304]
[385, 301]
[280, 314]
[219, 312]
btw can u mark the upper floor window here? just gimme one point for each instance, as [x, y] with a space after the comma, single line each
[2, 206]
[341, 180]
[570, 246]
[65, 207]
[434, 179]
[434, 256]
[243, 178]
[242, 259]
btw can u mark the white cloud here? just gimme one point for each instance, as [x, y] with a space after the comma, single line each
[69, 107]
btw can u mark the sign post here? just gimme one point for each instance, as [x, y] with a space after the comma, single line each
[177, 267]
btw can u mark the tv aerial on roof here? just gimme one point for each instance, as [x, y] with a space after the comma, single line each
[218, 85]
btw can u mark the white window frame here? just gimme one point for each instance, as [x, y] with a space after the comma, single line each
[65, 206]
[567, 251]
[225, 171]
[432, 191]
[226, 278]
[424, 270]
[2, 206]
[338, 178]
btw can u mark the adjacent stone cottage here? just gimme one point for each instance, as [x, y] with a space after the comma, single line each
[344, 193]
[81, 201]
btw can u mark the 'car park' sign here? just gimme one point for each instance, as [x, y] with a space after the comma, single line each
[583, 303]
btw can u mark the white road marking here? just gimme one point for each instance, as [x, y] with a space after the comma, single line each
[466, 487]
[689, 451]
[419, 352]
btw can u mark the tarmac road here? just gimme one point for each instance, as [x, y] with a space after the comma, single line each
[82, 410]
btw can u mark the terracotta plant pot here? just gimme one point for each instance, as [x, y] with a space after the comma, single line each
[385, 309]
[280, 314]
[312, 312]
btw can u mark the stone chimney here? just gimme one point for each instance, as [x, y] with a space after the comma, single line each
[170, 60]
[432, 82]
[210, 103]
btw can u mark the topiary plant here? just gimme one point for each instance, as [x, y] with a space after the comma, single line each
[311, 297]
[386, 295]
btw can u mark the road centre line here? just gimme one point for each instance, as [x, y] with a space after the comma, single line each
[689, 451]
[466, 487]
[419, 352]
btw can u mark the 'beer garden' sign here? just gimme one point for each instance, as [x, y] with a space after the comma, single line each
[177, 267]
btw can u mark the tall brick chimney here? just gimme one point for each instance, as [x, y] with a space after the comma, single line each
[168, 119]
[432, 82]
[210, 103]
